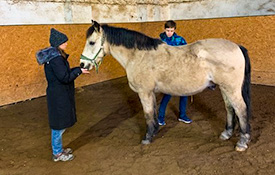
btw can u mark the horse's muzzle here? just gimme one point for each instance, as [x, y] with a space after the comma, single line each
[88, 67]
[82, 65]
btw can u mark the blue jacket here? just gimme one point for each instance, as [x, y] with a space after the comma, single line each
[174, 40]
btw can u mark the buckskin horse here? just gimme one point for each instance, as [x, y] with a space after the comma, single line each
[153, 66]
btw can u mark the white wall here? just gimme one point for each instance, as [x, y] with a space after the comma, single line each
[30, 12]
[14, 12]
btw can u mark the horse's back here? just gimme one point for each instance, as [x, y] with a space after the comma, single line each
[216, 50]
[224, 59]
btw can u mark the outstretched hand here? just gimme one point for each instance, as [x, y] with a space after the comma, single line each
[85, 71]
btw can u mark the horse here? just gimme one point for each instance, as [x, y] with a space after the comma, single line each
[153, 66]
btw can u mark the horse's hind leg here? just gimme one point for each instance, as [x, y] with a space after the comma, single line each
[239, 106]
[148, 101]
[244, 127]
[230, 121]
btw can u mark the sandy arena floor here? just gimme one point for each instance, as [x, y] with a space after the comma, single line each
[106, 138]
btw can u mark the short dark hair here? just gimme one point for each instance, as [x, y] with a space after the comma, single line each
[170, 24]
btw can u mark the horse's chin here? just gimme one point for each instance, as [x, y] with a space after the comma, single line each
[88, 67]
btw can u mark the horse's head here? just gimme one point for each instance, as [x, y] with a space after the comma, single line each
[93, 52]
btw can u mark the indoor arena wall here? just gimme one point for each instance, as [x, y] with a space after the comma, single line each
[25, 28]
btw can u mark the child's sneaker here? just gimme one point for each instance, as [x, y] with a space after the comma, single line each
[185, 119]
[63, 157]
[161, 122]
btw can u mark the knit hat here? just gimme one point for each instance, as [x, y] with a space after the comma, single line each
[57, 38]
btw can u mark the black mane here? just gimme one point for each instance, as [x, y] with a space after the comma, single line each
[127, 38]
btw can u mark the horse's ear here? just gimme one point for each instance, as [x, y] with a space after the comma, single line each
[96, 26]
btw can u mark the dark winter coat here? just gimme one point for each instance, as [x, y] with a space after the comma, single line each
[60, 90]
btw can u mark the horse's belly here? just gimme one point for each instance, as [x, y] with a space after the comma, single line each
[181, 89]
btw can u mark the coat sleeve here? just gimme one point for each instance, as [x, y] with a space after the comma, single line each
[61, 71]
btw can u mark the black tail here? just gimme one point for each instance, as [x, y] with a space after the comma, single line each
[246, 84]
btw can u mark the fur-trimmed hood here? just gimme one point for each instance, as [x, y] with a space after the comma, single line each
[45, 55]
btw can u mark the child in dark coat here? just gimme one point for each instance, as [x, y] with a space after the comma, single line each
[60, 91]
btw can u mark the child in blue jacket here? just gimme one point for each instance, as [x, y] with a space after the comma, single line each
[171, 38]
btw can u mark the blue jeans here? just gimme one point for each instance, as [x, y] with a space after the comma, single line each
[164, 102]
[57, 146]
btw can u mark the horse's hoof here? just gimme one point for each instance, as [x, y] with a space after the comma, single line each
[242, 143]
[241, 148]
[145, 142]
[225, 135]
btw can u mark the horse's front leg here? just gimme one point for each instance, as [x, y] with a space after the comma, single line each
[148, 101]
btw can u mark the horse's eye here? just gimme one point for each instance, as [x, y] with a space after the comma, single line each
[92, 43]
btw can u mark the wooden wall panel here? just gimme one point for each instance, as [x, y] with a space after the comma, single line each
[22, 78]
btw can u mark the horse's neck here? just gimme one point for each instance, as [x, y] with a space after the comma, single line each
[121, 54]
